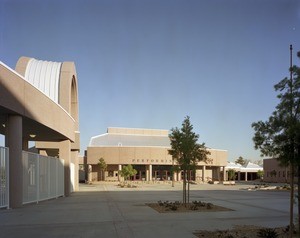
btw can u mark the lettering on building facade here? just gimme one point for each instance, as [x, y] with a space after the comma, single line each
[151, 161]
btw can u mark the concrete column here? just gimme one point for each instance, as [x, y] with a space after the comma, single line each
[14, 140]
[175, 176]
[150, 172]
[219, 174]
[246, 174]
[147, 172]
[224, 174]
[239, 176]
[203, 173]
[119, 169]
[86, 168]
[65, 154]
[179, 176]
[74, 155]
[89, 171]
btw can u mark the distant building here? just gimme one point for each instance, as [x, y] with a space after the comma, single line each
[274, 172]
[147, 151]
[244, 173]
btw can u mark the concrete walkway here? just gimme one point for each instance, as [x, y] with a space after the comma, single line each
[105, 210]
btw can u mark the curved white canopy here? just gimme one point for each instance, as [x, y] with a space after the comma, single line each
[45, 76]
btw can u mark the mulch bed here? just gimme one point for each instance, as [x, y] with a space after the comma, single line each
[190, 207]
[241, 232]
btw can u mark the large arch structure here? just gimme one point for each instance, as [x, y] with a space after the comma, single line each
[39, 102]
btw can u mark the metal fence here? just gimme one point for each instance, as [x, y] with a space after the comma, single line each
[43, 177]
[4, 181]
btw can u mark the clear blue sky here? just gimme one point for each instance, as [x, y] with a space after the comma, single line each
[149, 63]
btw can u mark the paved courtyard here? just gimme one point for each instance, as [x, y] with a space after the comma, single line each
[105, 210]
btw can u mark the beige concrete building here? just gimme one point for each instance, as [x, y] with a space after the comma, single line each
[39, 102]
[147, 151]
[275, 173]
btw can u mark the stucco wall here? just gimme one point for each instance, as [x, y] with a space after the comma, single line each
[145, 155]
[282, 173]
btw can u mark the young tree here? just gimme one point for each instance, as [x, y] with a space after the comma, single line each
[103, 167]
[186, 151]
[260, 174]
[279, 137]
[231, 174]
[128, 171]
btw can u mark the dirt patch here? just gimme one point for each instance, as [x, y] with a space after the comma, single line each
[244, 232]
[169, 207]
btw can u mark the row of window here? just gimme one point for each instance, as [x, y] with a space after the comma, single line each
[278, 174]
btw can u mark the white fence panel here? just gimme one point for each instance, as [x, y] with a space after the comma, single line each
[43, 177]
[4, 177]
[30, 177]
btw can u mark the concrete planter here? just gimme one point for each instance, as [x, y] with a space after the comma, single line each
[228, 182]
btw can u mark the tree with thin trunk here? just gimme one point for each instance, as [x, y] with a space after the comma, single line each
[128, 171]
[186, 151]
[279, 136]
[260, 174]
[103, 167]
[231, 174]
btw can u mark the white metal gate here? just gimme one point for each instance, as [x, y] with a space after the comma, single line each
[43, 177]
[4, 181]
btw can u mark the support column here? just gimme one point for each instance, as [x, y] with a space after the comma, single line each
[89, 171]
[224, 174]
[86, 167]
[119, 169]
[74, 155]
[175, 176]
[179, 176]
[14, 140]
[239, 176]
[147, 172]
[150, 172]
[246, 174]
[203, 173]
[65, 154]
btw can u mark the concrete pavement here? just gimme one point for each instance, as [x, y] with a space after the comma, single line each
[105, 210]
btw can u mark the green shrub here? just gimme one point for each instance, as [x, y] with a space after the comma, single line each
[267, 233]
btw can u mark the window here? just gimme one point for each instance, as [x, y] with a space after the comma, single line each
[283, 174]
[278, 174]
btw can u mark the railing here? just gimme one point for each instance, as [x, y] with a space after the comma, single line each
[43, 177]
[4, 181]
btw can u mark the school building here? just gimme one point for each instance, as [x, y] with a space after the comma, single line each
[147, 151]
